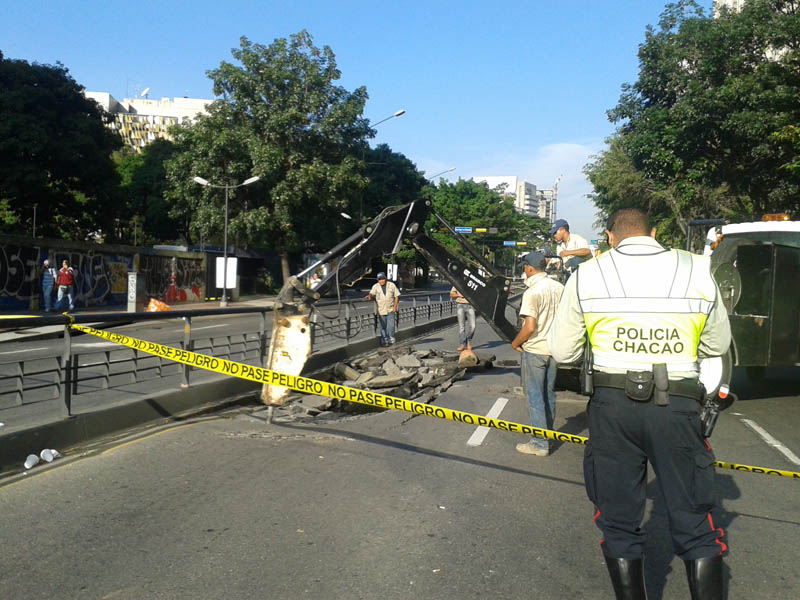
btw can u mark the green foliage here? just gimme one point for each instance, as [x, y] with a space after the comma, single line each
[700, 129]
[392, 179]
[143, 184]
[470, 204]
[282, 118]
[54, 153]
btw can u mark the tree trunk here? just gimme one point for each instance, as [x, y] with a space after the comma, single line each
[285, 266]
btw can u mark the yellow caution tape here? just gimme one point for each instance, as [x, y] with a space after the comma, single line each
[341, 392]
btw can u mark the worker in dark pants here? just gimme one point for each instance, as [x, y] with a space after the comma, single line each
[650, 313]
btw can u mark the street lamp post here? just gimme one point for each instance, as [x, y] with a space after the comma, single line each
[450, 170]
[224, 302]
[397, 113]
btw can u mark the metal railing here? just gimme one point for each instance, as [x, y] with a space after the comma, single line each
[61, 377]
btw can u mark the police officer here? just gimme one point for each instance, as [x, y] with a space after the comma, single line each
[649, 313]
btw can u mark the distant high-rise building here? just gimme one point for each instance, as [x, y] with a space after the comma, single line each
[140, 121]
[732, 5]
[528, 200]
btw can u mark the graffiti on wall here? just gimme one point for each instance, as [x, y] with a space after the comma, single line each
[173, 279]
[100, 278]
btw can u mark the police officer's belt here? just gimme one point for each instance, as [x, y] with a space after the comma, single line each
[689, 388]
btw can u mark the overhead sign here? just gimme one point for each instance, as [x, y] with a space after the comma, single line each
[480, 230]
[522, 243]
[463, 229]
[509, 243]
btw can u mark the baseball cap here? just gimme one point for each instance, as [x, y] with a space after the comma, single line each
[557, 225]
[535, 259]
[46, 262]
[381, 275]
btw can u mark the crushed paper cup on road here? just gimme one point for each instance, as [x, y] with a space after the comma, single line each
[31, 461]
[48, 454]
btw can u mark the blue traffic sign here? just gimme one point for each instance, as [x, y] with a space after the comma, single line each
[509, 243]
[463, 229]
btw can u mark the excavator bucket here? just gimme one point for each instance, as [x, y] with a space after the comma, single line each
[289, 349]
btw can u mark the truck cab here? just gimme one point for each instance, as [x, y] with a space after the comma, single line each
[757, 268]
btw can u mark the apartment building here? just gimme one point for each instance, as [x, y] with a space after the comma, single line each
[140, 121]
[528, 200]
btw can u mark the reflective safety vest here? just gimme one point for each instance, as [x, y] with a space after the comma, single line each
[642, 309]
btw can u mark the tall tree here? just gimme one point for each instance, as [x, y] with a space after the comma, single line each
[701, 119]
[282, 118]
[55, 153]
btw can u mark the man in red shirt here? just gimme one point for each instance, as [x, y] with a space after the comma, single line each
[66, 286]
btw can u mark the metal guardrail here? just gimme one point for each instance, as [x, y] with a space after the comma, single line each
[66, 375]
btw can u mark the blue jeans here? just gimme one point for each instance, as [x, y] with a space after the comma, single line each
[47, 295]
[387, 328]
[466, 323]
[69, 293]
[539, 385]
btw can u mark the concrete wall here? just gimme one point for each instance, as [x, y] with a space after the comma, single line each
[171, 276]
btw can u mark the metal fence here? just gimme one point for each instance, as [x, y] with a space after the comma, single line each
[93, 369]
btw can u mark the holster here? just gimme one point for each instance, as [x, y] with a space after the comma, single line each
[661, 380]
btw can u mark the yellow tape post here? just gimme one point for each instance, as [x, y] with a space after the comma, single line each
[341, 392]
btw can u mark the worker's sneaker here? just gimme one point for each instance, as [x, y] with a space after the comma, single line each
[531, 448]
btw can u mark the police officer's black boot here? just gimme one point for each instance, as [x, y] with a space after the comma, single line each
[627, 576]
[705, 578]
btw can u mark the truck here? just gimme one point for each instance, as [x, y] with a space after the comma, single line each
[757, 268]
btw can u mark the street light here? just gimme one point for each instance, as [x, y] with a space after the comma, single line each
[399, 113]
[450, 170]
[224, 302]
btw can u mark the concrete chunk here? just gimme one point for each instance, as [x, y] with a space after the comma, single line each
[387, 381]
[391, 368]
[344, 371]
[408, 361]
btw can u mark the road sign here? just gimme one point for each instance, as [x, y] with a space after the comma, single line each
[480, 230]
[463, 229]
[492, 229]
[522, 243]
[509, 243]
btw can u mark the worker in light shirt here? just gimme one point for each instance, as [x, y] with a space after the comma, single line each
[572, 248]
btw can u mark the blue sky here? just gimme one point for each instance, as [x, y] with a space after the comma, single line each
[491, 88]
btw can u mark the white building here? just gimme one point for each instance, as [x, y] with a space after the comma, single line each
[527, 199]
[732, 5]
[140, 121]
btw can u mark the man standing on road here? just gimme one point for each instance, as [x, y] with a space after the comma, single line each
[466, 320]
[650, 313]
[387, 297]
[538, 369]
[572, 248]
[49, 277]
[66, 286]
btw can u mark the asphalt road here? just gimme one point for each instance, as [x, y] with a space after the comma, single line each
[381, 505]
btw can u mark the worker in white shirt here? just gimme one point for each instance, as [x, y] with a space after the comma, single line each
[572, 248]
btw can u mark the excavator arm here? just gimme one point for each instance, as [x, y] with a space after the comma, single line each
[290, 344]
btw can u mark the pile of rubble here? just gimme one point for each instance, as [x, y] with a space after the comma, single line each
[402, 372]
